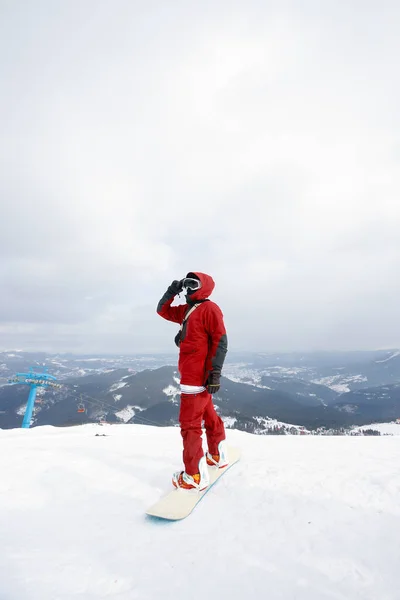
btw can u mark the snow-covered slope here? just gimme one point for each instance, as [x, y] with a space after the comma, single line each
[383, 428]
[390, 357]
[299, 518]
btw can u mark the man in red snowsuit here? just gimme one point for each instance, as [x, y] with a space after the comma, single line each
[203, 346]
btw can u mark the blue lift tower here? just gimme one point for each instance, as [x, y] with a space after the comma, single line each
[34, 380]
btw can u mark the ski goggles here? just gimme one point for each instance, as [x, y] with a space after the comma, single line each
[191, 284]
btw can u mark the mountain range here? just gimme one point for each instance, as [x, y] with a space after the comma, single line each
[260, 393]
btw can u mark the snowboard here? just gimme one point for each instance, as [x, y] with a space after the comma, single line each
[178, 504]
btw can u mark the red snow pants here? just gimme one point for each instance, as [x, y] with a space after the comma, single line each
[193, 410]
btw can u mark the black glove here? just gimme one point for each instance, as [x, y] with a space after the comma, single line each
[213, 382]
[176, 287]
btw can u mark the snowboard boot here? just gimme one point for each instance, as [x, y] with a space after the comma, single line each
[219, 460]
[199, 481]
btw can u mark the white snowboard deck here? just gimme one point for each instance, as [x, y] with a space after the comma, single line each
[179, 503]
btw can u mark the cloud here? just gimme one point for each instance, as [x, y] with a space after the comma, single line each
[257, 143]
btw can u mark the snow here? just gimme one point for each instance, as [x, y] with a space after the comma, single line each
[349, 408]
[229, 422]
[173, 393]
[81, 372]
[339, 383]
[96, 359]
[389, 357]
[384, 428]
[341, 388]
[128, 412]
[171, 390]
[285, 370]
[268, 424]
[298, 518]
[241, 373]
[118, 386]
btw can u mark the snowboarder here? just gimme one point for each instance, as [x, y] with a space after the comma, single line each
[202, 343]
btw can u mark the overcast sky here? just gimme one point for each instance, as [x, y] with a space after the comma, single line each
[256, 141]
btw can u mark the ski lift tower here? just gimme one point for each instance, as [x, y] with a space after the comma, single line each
[34, 380]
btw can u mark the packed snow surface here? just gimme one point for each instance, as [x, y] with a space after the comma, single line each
[298, 518]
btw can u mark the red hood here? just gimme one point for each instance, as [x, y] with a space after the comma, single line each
[207, 286]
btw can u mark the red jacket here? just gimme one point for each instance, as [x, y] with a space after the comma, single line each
[203, 345]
